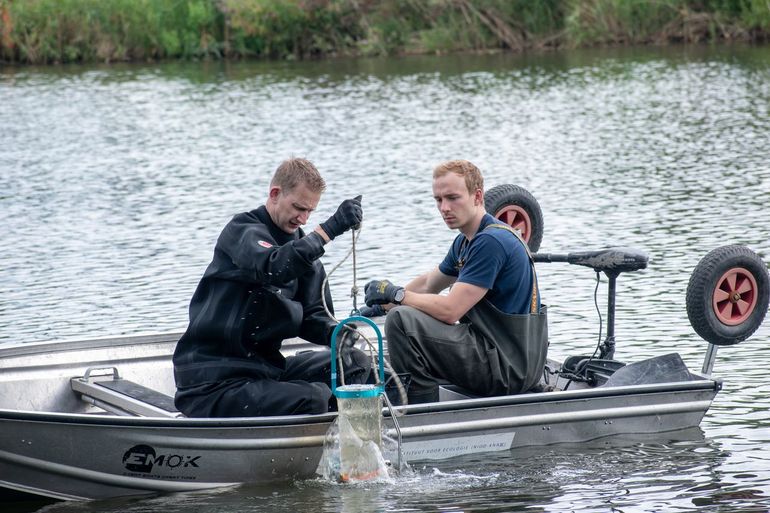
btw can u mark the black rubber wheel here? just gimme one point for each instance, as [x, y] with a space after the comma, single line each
[519, 209]
[728, 294]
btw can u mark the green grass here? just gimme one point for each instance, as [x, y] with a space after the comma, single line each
[87, 30]
[53, 31]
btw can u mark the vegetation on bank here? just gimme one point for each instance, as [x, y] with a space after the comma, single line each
[49, 31]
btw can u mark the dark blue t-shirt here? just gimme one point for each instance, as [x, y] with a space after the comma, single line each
[494, 259]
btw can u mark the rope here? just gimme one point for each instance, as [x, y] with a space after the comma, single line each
[356, 233]
[354, 288]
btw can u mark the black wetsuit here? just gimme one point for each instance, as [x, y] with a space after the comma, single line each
[262, 286]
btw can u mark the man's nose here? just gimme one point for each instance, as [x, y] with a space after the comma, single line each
[303, 217]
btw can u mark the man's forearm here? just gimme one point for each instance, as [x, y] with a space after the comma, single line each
[437, 306]
[431, 282]
[449, 308]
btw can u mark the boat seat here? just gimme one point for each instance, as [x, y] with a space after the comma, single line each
[121, 396]
[449, 392]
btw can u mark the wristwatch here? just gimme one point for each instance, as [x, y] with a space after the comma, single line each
[399, 296]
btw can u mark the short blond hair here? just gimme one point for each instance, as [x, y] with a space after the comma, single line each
[464, 168]
[296, 170]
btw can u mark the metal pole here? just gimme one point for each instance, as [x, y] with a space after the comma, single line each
[395, 425]
[708, 361]
[608, 347]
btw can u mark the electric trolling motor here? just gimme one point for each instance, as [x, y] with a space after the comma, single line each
[612, 262]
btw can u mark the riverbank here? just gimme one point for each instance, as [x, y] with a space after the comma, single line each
[58, 31]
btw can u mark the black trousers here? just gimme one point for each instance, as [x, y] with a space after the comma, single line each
[303, 387]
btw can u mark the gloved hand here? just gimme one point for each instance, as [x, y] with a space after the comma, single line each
[348, 215]
[372, 311]
[381, 292]
[347, 338]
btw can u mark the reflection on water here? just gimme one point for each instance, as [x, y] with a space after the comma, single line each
[115, 182]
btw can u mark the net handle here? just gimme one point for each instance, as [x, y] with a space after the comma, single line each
[376, 390]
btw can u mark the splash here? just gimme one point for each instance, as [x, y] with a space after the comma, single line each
[353, 448]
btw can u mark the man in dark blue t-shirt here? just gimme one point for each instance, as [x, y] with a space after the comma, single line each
[493, 349]
[494, 260]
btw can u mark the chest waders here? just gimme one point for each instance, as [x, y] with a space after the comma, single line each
[521, 340]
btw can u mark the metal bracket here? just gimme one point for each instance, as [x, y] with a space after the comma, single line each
[398, 428]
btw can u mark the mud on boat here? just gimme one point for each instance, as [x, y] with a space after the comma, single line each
[90, 419]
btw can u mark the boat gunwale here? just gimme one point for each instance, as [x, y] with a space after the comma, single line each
[9, 349]
[299, 420]
[698, 382]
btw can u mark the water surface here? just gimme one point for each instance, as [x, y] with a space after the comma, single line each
[116, 180]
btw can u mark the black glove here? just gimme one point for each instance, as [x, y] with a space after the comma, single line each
[346, 341]
[372, 311]
[347, 338]
[381, 292]
[348, 215]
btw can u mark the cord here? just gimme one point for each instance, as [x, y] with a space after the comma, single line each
[579, 374]
[356, 233]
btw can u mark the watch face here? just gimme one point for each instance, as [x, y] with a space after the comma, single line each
[399, 295]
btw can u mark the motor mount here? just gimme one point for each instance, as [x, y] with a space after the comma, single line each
[612, 262]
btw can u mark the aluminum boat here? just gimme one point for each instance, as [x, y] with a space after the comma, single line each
[94, 418]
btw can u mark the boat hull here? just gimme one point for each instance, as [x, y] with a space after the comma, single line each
[54, 445]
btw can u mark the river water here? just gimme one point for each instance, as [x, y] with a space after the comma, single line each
[116, 180]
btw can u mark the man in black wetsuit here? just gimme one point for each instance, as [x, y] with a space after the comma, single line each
[263, 286]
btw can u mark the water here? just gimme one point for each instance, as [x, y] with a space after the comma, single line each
[115, 182]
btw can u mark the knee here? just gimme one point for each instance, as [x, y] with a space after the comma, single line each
[318, 400]
[396, 323]
[395, 318]
[394, 326]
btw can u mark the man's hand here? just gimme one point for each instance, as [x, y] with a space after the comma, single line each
[346, 341]
[372, 311]
[347, 338]
[348, 215]
[382, 292]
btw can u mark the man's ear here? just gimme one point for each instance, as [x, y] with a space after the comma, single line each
[479, 197]
[275, 193]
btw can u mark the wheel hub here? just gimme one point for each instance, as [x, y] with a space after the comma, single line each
[735, 296]
[517, 218]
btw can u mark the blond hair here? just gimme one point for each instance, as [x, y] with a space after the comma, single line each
[294, 171]
[464, 168]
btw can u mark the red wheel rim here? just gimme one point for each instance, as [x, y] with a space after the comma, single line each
[735, 296]
[517, 218]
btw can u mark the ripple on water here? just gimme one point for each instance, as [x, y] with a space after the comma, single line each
[116, 182]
